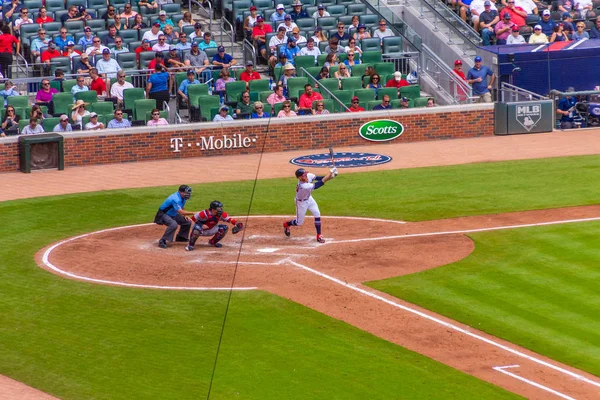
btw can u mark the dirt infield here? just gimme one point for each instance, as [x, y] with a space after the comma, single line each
[328, 278]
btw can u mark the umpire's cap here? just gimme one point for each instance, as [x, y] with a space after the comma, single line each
[300, 172]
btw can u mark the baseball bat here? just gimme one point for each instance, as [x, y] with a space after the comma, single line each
[331, 155]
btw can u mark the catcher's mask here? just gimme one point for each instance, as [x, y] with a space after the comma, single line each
[218, 206]
[300, 172]
[186, 190]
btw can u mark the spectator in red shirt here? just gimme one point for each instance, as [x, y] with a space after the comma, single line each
[460, 93]
[6, 50]
[517, 14]
[259, 35]
[98, 83]
[306, 100]
[249, 73]
[355, 105]
[144, 47]
[42, 17]
[159, 58]
[397, 81]
[48, 55]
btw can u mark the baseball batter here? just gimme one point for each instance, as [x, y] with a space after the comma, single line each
[308, 182]
[206, 223]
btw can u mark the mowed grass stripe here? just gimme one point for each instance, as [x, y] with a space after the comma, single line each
[519, 285]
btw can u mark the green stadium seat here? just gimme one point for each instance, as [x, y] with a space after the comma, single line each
[18, 101]
[369, 19]
[196, 91]
[336, 10]
[49, 123]
[344, 96]
[412, 91]
[313, 71]
[331, 84]
[385, 68]
[207, 103]
[359, 69]
[356, 9]
[233, 90]
[89, 97]
[303, 62]
[371, 57]
[327, 23]
[372, 104]
[370, 44]
[296, 87]
[131, 95]
[68, 85]
[102, 107]
[392, 92]
[365, 95]
[62, 103]
[420, 101]
[352, 84]
[392, 45]
[141, 107]
[171, 8]
[96, 24]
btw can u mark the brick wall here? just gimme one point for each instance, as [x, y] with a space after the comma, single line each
[340, 130]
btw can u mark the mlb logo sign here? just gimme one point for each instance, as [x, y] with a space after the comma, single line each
[529, 115]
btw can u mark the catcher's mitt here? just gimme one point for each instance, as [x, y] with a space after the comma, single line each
[237, 228]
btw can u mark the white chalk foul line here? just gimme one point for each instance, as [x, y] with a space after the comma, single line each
[46, 261]
[446, 324]
[496, 228]
[530, 382]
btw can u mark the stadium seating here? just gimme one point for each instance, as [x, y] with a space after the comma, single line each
[141, 107]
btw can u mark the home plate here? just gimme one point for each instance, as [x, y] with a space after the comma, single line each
[267, 250]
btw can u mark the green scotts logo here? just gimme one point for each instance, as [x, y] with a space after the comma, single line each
[381, 130]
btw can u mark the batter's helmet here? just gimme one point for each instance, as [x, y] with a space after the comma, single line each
[186, 190]
[300, 172]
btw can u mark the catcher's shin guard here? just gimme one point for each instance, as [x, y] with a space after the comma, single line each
[196, 232]
[214, 241]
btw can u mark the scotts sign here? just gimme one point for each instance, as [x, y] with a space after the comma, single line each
[381, 130]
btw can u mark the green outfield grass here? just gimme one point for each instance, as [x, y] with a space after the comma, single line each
[536, 287]
[79, 340]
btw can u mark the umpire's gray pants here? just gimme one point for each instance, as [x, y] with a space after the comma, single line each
[171, 223]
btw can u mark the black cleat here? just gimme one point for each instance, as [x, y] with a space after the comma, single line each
[286, 229]
[162, 244]
[217, 245]
[181, 239]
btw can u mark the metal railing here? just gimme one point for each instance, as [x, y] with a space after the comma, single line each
[316, 81]
[230, 33]
[510, 93]
[446, 79]
[396, 24]
[454, 23]
[21, 64]
[209, 11]
[248, 51]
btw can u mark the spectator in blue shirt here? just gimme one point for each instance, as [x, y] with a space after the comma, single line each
[62, 40]
[291, 50]
[565, 109]
[118, 122]
[222, 59]
[183, 88]
[171, 214]
[278, 15]
[547, 23]
[87, 39]
[207, 42]
[385, 103]
[477, 78]
[9, 90]
[11, 8]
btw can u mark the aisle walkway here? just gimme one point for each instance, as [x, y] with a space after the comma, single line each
[276, 165]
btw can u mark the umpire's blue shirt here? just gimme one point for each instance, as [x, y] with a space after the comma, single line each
[175, 203]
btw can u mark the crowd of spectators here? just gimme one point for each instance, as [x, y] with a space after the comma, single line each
[508, 22]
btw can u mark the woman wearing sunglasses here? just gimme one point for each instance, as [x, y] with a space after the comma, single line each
[10, 122]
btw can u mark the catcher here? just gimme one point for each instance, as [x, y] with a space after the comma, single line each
[206, 223]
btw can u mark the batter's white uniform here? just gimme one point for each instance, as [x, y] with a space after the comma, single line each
[304, 200]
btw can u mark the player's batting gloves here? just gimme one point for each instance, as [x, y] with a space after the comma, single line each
[334, 171]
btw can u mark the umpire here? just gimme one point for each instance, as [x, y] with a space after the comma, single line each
[171, 214]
